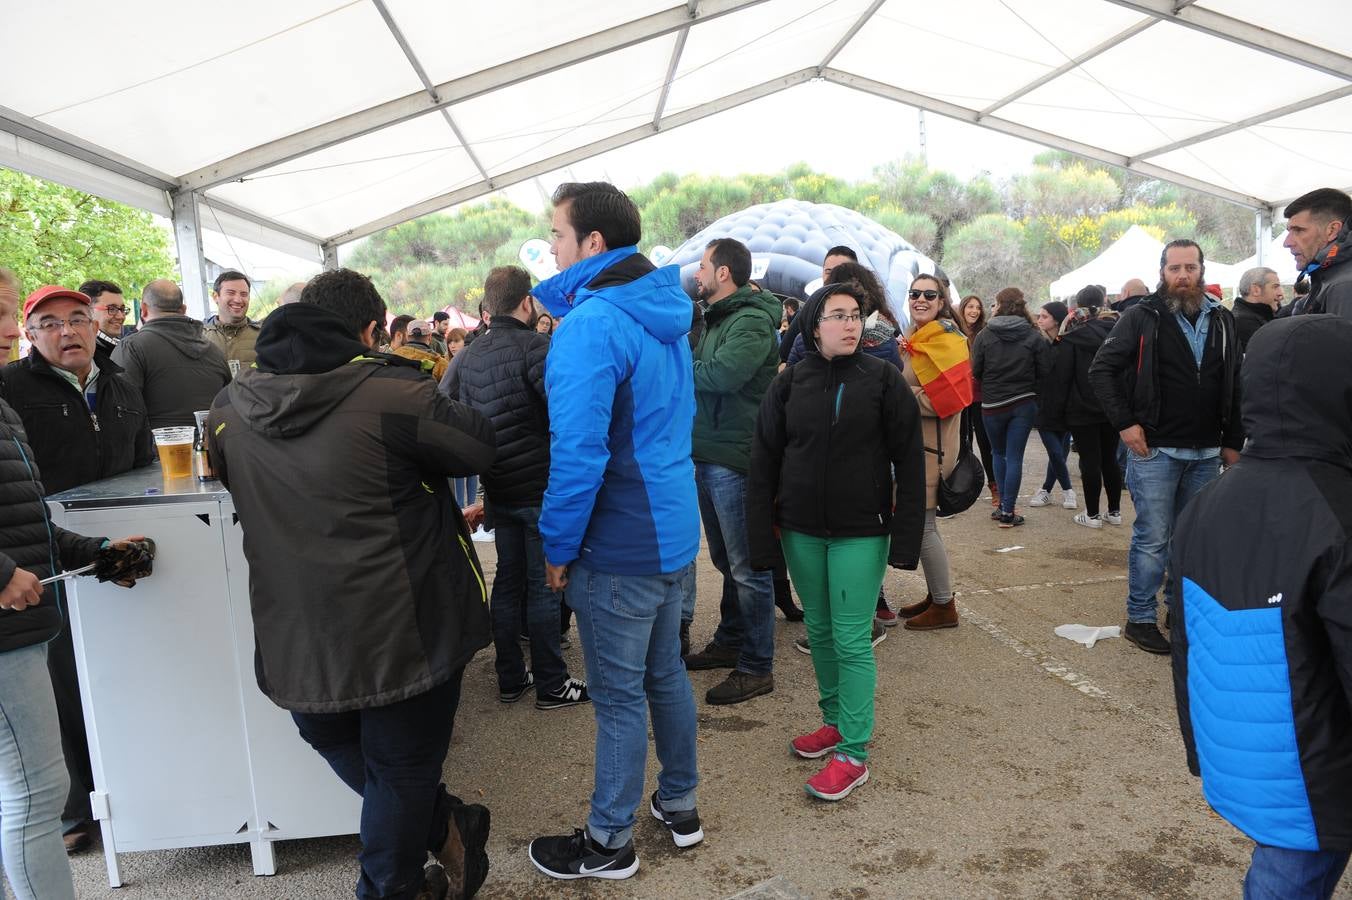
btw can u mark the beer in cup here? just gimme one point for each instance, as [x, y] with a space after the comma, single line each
[174, 446]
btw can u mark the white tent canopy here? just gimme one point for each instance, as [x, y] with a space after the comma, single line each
[307, 124]
[1136, 254]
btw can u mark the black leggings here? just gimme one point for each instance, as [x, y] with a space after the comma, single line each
[983, 442]
[1097, 445]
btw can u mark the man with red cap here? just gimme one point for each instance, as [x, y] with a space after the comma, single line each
[85, 422]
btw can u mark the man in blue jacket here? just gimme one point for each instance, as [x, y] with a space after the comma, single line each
[620, 520]
[1262, 654]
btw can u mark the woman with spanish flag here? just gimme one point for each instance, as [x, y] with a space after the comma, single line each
[936, 367]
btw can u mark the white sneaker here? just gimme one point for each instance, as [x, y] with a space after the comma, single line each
[1039, 499]
[1088, 521]
[1112, 518]
[1068, 499]
[483, 537]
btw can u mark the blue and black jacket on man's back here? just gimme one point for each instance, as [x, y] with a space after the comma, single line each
[619, 376]
[1263, 557]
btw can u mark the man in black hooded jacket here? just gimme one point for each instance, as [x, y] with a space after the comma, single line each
[1262, 651]
[367, 597]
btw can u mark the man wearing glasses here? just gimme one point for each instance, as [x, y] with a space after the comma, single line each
[85, 422]
[110, 315]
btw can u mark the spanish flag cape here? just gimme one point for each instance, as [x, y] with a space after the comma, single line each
[940, 361]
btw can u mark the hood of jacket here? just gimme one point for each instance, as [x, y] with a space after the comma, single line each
[650, 296]
[1297, 390]
[303, 370]
[744, 298]
[182, 333]
[1011, 328]
[811, 312]
[1091, 332]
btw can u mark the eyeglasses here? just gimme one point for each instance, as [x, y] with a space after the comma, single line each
[929, 295]
[842, 317]
[115, 310]
[52, 326]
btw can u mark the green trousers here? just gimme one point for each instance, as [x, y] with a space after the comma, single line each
[837, 580]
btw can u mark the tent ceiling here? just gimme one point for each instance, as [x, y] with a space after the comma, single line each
[319, 121]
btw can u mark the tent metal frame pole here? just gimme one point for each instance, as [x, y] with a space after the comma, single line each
[458, 90]
[848, 36]
[676, 52]
[330, 256]
[192, 264]
[1014, 129]
[1262, 223]
[1298, 106]
[567, 158]
[1246, 34]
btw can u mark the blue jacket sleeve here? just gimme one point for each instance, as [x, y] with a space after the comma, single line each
[797, 351]
[585, 365]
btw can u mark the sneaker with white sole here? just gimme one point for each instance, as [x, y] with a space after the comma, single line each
[513, 694]
[1040, 498]
[578, 856]
[571, 693]
[841, 776]
[1113, 518]
[1088, 521]
[683, 824]
[1068, 500]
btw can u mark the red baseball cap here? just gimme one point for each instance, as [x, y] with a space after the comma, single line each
[1214, 290]
[52, 292]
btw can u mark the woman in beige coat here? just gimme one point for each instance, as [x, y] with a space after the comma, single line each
[928, 303]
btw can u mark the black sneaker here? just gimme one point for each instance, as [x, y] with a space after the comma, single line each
[578, 856]
[511, 695]
[802, 645]
[1011, 520]
[1146, 635]
[738, 687]
[463, 855]
[713, 656]
[684, 826]
[571, 693]
[435, 886]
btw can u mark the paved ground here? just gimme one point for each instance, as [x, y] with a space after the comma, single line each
[1007, 762]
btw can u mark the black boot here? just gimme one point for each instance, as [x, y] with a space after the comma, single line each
[784, 600]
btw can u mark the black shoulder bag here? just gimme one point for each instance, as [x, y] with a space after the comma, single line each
[963, 485]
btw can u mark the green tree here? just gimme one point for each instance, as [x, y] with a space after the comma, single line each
[910, 184]
[986, 254]
[50, 234]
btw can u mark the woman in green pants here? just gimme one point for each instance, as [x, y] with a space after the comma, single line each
[831, 432]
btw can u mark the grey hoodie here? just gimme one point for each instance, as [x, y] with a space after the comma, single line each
[175, 367]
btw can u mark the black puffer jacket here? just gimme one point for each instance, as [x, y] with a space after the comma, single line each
[1009, 358]
[28, 539]
[502, 375]
[829, 435]
[364, 586]
[1067, 394]
[74, 447]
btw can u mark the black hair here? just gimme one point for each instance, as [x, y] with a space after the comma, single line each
[600, 206]
[1326, 204]
[792, 303]
[92, 289]
[231, 275]
[399, 325]
[841, 250]
[874, 291]
[1091, 296]
[734, 254]
[349, 295]
[440, 316]
[504, 289]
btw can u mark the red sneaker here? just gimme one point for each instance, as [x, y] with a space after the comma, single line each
[818, 743]
[885, 617]
[838, 778]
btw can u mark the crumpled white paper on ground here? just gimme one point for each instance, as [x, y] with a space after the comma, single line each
[1088, 635]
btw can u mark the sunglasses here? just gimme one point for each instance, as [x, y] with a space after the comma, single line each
[929, 295]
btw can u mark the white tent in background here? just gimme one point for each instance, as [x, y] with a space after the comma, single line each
[1275, 257]
[1136, 254]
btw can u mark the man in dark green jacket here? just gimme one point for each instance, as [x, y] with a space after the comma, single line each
[735, 360]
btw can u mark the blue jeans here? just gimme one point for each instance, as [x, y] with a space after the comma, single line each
[747, 607]
[466, 490]
[1008, 430]
[520, 581]
[1160, 487]
[1058, 449]
[1277, 874]
[33, 779]
[392, 756]
[630, 627]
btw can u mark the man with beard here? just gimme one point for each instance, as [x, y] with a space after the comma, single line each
[735, 361]
[1167, 378]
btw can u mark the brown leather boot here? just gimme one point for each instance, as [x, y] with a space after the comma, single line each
[915, 609]
[939, 615]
